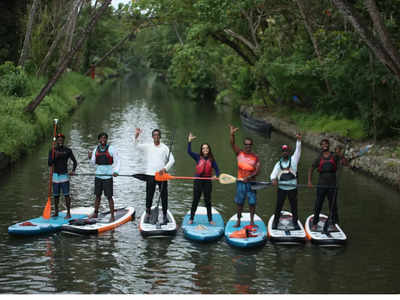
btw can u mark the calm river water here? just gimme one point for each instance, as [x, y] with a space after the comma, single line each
[124, 262]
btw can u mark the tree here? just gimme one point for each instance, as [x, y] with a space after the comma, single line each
[27, 40]
[64, 63]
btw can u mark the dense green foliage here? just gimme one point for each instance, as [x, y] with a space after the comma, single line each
[20, 131]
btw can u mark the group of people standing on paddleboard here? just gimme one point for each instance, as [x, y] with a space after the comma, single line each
[159, 159]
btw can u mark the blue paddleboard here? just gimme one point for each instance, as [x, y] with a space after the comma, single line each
[201, 230]
[41, 225]
[259, 234]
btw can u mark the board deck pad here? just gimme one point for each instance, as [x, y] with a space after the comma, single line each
[285, 233]
[201, 230]
[250, 242]
[333, 237]
[100, 224]
[53, 224]
[155, 226]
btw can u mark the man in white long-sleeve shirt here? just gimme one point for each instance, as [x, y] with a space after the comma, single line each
[105, 158]
[158, 158]
[285, 172]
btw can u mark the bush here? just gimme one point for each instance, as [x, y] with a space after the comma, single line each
[13, 80]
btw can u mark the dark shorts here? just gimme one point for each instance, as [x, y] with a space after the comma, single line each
[105, 185]
[243, 190]
[57, 187]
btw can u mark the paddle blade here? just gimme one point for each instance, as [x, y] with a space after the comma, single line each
[226, 179]
[141, 177]
[163, 177]
[47, 209]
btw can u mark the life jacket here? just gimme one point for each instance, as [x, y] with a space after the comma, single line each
[286, 174]
[327, 165]
[103, 157]
[245, 232]
[204, 167]
[246, 164]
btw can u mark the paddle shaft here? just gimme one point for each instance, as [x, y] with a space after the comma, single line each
[269, 183]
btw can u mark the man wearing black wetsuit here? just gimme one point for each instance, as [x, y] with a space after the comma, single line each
[326, 164]
[59, 160]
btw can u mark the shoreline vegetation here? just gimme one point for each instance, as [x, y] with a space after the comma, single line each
[382, 160]
[21, 132]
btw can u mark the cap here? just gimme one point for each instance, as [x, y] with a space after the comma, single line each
[60, 135]
[284, 147]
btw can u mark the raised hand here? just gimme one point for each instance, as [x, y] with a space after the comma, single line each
[233, 129]
[191, 137]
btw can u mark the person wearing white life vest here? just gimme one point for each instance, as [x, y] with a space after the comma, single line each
[284, 175]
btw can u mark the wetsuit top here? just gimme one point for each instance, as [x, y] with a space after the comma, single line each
[246, 163]
[61, 156]
[285, 168]
[108, 168]
[327, 178]
[156, 157]
[203, 165]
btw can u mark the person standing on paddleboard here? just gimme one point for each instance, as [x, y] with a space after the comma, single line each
[158, 158]
[248, 168]
[205, 163]
[326, 164]
[60, 174]
[285, 172]
[105, 158]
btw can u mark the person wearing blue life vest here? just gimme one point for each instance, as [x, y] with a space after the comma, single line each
[205, 163]
[285, 172]
[326, 164]
[60, 178]
[105, 158]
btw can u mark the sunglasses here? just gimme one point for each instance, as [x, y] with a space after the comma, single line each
[247, 144]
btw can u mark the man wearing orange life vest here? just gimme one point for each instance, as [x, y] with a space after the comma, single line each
[248, 168]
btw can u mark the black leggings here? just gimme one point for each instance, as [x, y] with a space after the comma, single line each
[281, 196]
[150, 190]
[205, 187]
[331, 195]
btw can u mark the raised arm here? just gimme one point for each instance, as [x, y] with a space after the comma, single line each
[233, 130]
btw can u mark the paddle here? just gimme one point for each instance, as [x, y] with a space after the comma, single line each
[47, 209]
[154, 216]
[137, 176]
[332, 206]
[259, 185]
[223, 178]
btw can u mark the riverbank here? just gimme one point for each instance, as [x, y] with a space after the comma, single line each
[21, 132]
[381, 161]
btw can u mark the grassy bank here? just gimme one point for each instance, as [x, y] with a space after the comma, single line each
[318, 123]
[20, 131]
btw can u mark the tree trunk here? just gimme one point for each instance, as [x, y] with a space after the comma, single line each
[27, 40]
[366, 35]
[71, 28]
[43, 67]
[61, 68]
[308, 26]
[119, 44]
[381, 31]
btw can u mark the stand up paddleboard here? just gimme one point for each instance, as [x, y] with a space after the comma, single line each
[257, 235]
[101, 223]
[42, 226]
[201, 230]
[334, 237]
[157, 229]
[285, 233]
